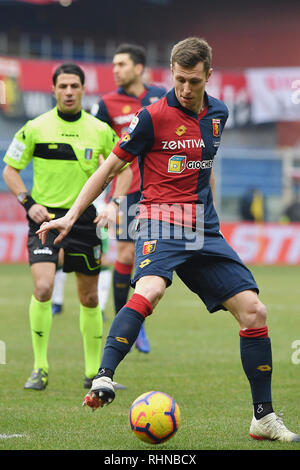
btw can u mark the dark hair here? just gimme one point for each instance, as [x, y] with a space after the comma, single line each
[190, 51]
[68, 68]
[137, 53]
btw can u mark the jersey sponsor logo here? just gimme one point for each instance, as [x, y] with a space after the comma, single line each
[88, 154]
[133, 124]
[119, 120]
[180, 130]
[15, 150]
[199, 164]
[149, 247]
[43, 251]
[182, 144]
[178, 163]
[216, 123]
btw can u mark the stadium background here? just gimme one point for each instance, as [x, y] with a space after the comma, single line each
[256, 72]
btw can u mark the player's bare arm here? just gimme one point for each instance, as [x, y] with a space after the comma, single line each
[90, 191]
[123, 184]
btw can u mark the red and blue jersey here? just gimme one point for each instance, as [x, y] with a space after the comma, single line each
[175, 149]
[118, 109]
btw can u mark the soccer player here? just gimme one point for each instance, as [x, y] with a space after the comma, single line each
[176, 140]
[118, 109]
[64, 144]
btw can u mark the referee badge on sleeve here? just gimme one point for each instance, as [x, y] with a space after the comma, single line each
[97, 254]
[133, 124]
[88, 154]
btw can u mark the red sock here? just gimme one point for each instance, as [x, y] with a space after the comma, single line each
[255, 332]
[140, 304]
[123, 268]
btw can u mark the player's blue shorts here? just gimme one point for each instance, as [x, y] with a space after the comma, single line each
[209, 267]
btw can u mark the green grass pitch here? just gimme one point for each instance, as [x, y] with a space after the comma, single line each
[194, 358]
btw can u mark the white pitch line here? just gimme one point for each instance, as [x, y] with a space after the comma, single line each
[9, 436]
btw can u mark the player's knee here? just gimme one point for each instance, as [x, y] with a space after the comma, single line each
[256, 315]
[152, 290]
[89, 299]
[262, 313]
[155, 294]
[43, 290]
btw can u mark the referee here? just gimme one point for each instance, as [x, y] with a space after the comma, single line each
[64, 145]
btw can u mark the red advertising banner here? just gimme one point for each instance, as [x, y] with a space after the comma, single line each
[13, 239]
[257, 244]
[13, 230]
[10, 209]
[36, 75]
[27, 85]
[252, 95]
[265, 244]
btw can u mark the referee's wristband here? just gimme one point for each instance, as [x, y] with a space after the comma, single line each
[26, 200]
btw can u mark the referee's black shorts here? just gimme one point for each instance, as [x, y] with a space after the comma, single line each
[82, 247]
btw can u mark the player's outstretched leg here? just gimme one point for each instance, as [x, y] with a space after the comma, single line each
[121, 283]
[121, 337]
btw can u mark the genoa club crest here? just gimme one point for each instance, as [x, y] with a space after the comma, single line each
[149, 247]
[216, 124]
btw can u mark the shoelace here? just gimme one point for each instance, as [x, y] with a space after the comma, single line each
[277, 425]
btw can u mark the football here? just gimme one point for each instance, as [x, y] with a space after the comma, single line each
[154, 417]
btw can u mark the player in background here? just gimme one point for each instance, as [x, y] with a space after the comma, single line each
[118, 109]
[64, 144]
[176, 140]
